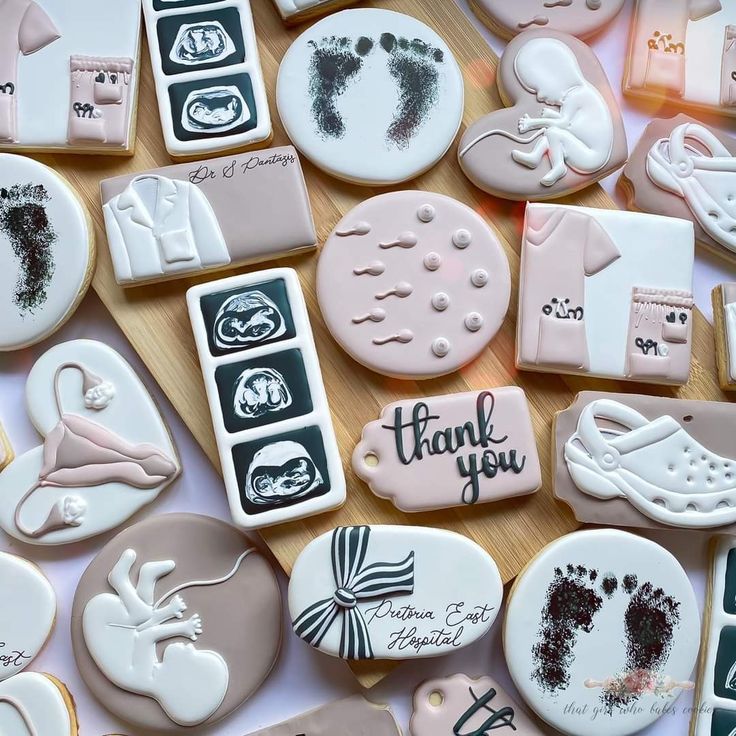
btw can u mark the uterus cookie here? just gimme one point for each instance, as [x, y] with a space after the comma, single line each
[413, 284]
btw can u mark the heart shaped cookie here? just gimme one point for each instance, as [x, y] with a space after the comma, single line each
[561, 129]
[36, 705]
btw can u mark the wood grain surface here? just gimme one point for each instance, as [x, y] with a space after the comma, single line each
[154, 318]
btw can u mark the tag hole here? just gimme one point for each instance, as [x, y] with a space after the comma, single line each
[688, 418]
[436, 698]
[370, 459]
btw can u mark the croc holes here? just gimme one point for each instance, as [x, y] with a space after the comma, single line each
[436, 698]
[371, 459]
[688, 418]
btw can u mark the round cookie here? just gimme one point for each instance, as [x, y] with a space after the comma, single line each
[27, 614]
[608, 621]
[35, 704]
[47, 251]
[370, 96]
[581, 18]
[209, 609]
[413, 284]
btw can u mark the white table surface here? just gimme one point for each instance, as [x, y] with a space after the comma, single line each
[303, 678]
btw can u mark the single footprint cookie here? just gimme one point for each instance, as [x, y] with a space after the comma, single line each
[35, 704]
[371, 96]
[47, 251]
[606, 620]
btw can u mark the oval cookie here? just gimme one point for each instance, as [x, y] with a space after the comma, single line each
[33, 704]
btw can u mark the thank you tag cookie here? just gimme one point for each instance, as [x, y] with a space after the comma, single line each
[454, 450]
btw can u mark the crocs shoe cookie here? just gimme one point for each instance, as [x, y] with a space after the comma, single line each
[209, 82]
[413, 284]
[646, 461]
[724, 319]
[581, 18]
[69, 75]
[176, 622]
[681, 168]
[298, 11]
[462, 705]
[370, 96]
[47, 251]
[393, 592]
[354, 716]
[27, 615]
[455, 450]
[106, 452]
[278, 451]
[34, 704]
[561, 129]
[188, 218]
[608, 621]
[684, 52]
[606, 293]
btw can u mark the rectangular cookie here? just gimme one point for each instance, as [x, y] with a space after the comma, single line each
[210, 215]
[724, 322]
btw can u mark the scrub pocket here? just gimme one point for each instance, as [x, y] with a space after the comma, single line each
[90, 130]
[562, 342]
[665, 72]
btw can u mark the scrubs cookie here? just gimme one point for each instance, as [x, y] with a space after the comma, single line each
[278, 451]
[106, 452]
[413, 284]
[296, 11]
[393, 592]
[605, 620]
[561, 129]
[454, 450]
[606, 293]
[188, 218]
[176, 622]
[69, 75]
[47, 251]
[461, 705]
[681, 168]
[27, 615]
[581, 18]
[370, 96]
[209, 81]
[32, 703]
[724, 318]
[684, 52]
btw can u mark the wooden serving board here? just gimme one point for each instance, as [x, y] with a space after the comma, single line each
[154, 318]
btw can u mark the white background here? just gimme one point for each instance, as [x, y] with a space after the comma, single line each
[303, 678]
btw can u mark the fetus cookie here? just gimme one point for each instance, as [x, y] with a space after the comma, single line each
[106, 451]
[27, 615]
[581, 18]
[370, 96]
[683, 52]
[606, 293]
[608, 621]
[724, 324]
[561, 129]
[413, 284]
[176, 622]
[393, 592]
[32, 703]
[47, 251]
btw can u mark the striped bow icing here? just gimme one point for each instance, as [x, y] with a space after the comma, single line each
[354, 582]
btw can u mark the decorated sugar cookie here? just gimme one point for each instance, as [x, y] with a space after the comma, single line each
[106, 452]
[607, 620]
[628, 460]
[462, 705]
[454, 450]
[413, 284]
[393, 592]
[606, 293]
[47, 251]
[176, 622]
[724, 317]
[296, 11]
[581, 18]
[370, 96]
[684, 52]
[37, 705]
[27, 615]
[561, 129]
[6, 449]
[354, 716]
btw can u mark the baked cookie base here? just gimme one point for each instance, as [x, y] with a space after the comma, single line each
[719, 329]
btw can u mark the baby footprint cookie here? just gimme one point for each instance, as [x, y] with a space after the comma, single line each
[35, 704]
[561, 129]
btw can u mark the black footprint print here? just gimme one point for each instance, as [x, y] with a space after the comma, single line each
[414, 66]
[336, 62]
[571, 605]
[24, 221]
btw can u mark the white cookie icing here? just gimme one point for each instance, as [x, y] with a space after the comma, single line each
[106, 452]
[46, 251]
[27, 613]
[32, 705]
